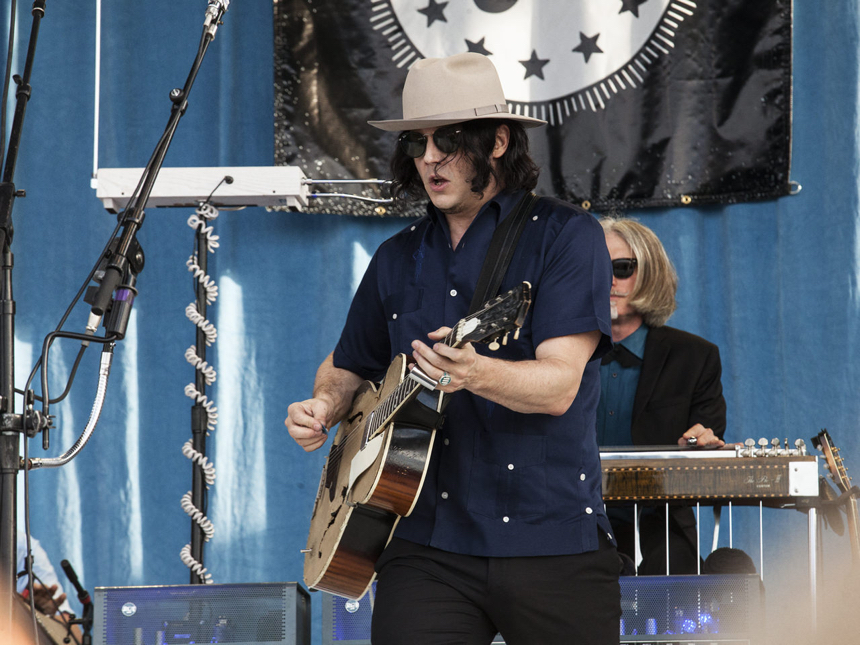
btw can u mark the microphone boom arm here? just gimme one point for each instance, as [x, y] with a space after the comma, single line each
[95, 413]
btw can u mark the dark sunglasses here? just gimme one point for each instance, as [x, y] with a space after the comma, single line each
[623, 267]
[413, 144]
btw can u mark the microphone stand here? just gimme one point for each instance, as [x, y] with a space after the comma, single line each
[12, 425]
[122, 265]
[133, 219]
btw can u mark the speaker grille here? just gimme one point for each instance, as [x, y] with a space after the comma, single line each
[694, 607]
[240, 614]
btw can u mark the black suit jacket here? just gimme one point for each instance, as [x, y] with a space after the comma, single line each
[679, 386]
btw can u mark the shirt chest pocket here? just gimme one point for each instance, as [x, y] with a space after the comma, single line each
[508, 476]
[402, 311]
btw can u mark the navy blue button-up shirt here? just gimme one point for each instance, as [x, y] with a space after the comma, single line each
[500, 483]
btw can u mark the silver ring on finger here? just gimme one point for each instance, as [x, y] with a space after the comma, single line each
[445, 378]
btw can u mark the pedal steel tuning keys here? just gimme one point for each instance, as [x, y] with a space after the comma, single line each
[772, 448]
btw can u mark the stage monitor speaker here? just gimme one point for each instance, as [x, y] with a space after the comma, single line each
[654, 609]
[241, 614]
[725, 608]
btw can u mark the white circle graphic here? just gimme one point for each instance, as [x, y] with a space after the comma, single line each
[554, 58]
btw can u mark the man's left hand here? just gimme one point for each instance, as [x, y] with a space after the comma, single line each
[703, 437]
[440, 359]
[43, 598]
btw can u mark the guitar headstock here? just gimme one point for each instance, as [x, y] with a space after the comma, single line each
[496, 320]
[835, 465]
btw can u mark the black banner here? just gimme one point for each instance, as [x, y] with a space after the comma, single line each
[649, 102]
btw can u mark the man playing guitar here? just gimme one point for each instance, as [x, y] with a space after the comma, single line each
[509, 532]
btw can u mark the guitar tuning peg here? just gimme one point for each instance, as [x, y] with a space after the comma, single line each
[517, 333]
[494, 345]
[505, 339]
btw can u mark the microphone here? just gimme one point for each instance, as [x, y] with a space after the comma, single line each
[83, 596]
[214, 11]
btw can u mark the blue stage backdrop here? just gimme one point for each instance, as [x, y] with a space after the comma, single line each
[775, 284]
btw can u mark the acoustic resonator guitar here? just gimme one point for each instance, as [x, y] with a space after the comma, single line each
[379, 456]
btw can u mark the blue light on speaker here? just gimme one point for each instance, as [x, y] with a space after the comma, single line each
[651, 626]
[708, 623]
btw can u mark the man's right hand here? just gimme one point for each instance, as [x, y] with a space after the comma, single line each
[307, 423]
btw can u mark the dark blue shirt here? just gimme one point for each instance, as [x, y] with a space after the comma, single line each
[617, 391]
[500, 483]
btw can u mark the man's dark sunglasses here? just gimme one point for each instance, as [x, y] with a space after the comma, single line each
[414, 143]
[623, 267]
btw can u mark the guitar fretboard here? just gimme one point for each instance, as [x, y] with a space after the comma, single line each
[405, 391]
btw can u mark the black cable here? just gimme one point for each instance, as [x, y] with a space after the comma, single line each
[68, 312]
[68, 385]
[32, 579]
[8, 75]
[46, 345]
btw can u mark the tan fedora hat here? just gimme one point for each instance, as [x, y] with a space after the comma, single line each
[463, 87]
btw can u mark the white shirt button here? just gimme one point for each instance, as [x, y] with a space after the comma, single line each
[444, 495]
[506, 519]
[588, 510]
[582, 477]
[453, 292]
[510, 466]
[446, 442]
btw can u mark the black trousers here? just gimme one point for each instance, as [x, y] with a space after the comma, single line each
[429, 597]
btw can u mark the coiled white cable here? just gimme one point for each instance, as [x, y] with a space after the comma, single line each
[205, 280]
[211, 411]
[203, 214]
[199, 221]
[208, 372]
[208, 328]
[202, 461]
[196, 567]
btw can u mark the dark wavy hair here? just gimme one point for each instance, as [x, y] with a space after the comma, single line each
[516, 170]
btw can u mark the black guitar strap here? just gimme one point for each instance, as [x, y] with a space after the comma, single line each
[501, 251]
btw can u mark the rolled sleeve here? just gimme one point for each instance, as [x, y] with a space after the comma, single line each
[574, 288]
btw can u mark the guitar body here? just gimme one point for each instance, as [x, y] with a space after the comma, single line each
[353, 520]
